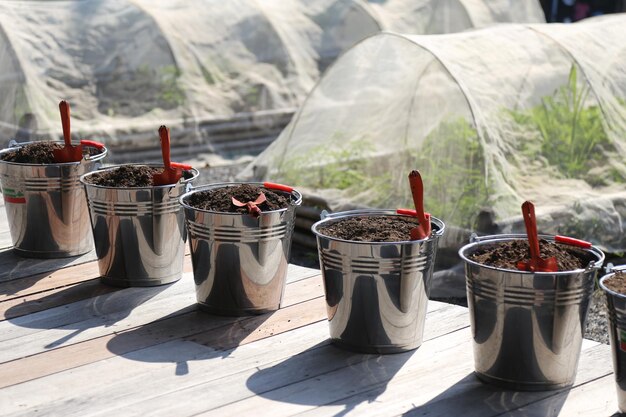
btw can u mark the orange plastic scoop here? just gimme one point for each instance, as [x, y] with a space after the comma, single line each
[536, 263]
[252, 205]
[422, 231]
[68, 153]
[172, 171]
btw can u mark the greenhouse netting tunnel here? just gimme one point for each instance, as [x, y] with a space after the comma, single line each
[491, 118]
[221, 74]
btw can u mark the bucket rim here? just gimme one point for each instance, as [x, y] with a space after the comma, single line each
[92, 158]
[294, 193]
[195, 172]
[441, 226]
[611, 273]
[507, 237]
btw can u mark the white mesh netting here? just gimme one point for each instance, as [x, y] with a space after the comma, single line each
[127, 66]
[490, 117]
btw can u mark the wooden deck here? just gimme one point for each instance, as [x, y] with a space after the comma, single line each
[70, 346]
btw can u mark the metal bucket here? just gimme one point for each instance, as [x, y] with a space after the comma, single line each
[46, 207]
[616, 306]
[376, 292]
[239, 262]
[527, 327]
[139, 232]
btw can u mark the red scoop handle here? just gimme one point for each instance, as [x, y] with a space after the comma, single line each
[179, 165]
[64, 107]
[92, 143]
[572, 241]
[409, 212]
[528, 212]
[279, 187]
[164, 133]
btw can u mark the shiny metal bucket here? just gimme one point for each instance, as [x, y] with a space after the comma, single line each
[239, 262]
[616, 307]
[46, 207]
[139, 232]
[527, 327]
[376, 292]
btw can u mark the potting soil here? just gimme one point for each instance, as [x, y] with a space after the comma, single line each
[125, 176]
[506, 255]
[371, 229]
[220, 199]
[33, 153]
[617, 282]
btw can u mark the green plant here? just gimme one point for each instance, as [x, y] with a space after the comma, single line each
[346, 166]
[571, 134]
[451, 162]
[171, 93]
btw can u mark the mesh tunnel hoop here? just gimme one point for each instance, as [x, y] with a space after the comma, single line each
[490, 118]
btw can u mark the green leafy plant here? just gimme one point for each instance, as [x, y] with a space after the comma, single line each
[345, 167]
[571, 134]
[450, 159]
[171, 93]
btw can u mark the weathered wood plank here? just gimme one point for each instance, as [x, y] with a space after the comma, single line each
[313, 364]
[39, 283]
[119, 386]
[595, 398]
[28, 304]
[93, 317]
[461, 391]
[153, 368]
[87, 286]
[33, 294]
[14, 267]
[180, 324]
[436, 381]
[75, 312]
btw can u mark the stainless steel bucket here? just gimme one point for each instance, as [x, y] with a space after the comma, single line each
[46, 207]
[239, 262]
[527, 327]
[139, 232]
[376, 292]
[616, 306]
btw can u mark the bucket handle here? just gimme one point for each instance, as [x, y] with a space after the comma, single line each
[474, 238]
[610, 268]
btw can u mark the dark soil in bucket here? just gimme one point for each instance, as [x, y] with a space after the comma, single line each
[124, 176]
[371, 229]
[617, 283]
[33, 153]
[220, 199]
[39, 153]
[505, 255]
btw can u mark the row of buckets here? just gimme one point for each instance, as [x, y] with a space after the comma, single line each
[527, 328]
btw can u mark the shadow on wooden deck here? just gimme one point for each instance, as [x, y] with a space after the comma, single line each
[478, 399]
[337, 367]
